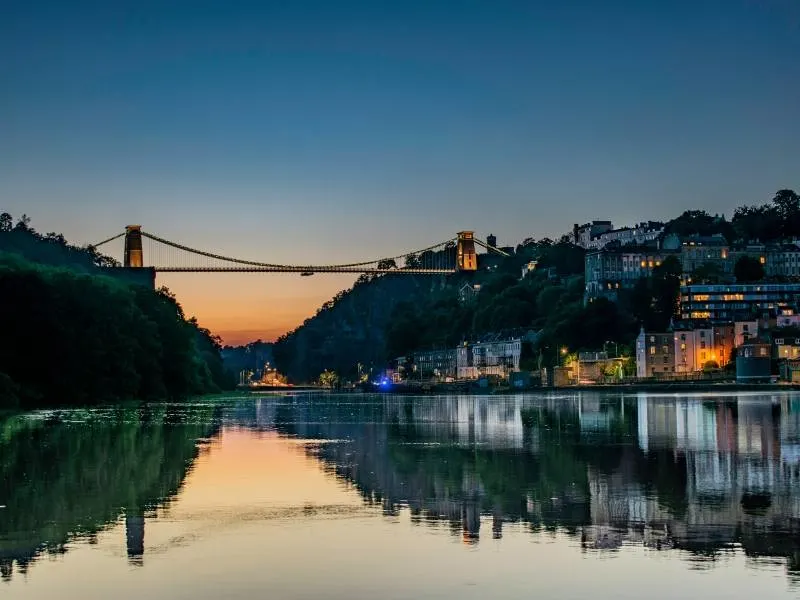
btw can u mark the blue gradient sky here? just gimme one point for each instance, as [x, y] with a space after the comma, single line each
[312, 131]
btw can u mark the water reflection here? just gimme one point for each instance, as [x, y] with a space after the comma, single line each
[69, 475]
[703, 478]
[701, 474]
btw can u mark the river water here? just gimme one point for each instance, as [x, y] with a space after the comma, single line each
[346, 496]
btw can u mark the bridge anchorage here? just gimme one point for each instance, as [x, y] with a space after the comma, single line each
[451, 256]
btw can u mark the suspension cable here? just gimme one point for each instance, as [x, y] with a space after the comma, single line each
[111, 239]
[492, 248]
[272, 265]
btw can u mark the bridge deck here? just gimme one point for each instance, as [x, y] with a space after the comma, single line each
[310, 270]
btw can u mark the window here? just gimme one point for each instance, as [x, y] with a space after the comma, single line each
[703, 356]
[702, 345]
[666, 359]
[702, 334]
[665, 349]
[652, 349]
[683, 347]
[652, 338]
[746, 327]
[683, 337]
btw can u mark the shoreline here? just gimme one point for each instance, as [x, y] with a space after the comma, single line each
[648, 387]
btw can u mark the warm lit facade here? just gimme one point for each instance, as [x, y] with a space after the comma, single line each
[737, 301]
[491, 357]
[466, 257]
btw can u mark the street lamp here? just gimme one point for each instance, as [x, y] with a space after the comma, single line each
[616, 348]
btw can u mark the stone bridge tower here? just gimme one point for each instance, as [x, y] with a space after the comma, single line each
[466, 258]
[134, 255]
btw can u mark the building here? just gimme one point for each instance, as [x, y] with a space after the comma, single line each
[493, 355]
[655, 354]
[468, 292]
[584, 234]
[734, 302]
[642, 233]
[491, 240]
[783, 261]
[700, 343]
[753, 363]
[611, 269]
[596, 367]
[529, 268]
[787, 317]
[787, 348]
[434, 363]
[743, 331]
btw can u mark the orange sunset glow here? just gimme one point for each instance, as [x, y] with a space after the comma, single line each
[243, 307]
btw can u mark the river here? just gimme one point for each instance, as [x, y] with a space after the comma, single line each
[302, 495]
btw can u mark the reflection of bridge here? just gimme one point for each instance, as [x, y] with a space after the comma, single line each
[450, 256]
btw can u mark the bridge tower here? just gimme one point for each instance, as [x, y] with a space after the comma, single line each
[466, 258]
[134, 256]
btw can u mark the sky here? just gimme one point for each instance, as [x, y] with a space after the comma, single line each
[319, 131]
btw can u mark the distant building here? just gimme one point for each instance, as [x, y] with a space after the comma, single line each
[491, 240]
[611, 269]
[641, 233]
[783, 261]
[583, 234]
[493, 355]
[655, 354]
[744, 331]
[529, 268]
[434, 363]
[741, 301]
[786, 348]
[753, 363]
[468, 292]
[787, 317]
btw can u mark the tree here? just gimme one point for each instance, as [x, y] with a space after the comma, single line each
[748, 269]
[386, 264]
[666, 285]
[787, 203]
[708, 272]
[6, 222]
[527, 357]
[328, 379]
[24, 224]
[412, 261]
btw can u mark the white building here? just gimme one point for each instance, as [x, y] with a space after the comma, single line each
[490, 357]
[744, 330]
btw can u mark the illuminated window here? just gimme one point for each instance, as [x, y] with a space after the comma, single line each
[683, 347]
[650, 264]
[644, 264]
[701, 297]
[652, 349]
[658, 263]
[702, 356]
[762, 260]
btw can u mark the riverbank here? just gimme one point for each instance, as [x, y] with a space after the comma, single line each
[628, 388]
